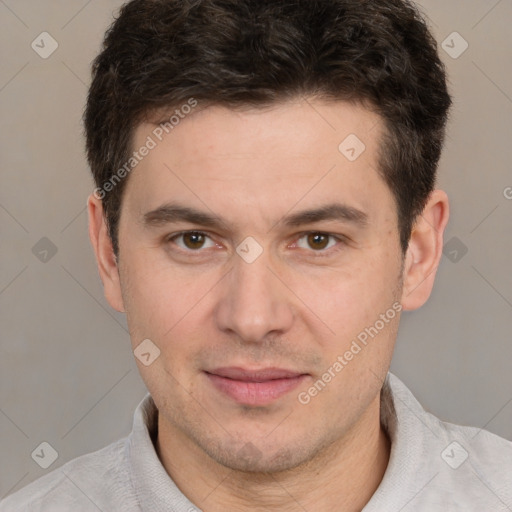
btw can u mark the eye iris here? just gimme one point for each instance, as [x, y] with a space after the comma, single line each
[193, 240]
[318, 240]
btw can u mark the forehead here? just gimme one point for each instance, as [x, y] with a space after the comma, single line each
[310, 128]
[269, 158]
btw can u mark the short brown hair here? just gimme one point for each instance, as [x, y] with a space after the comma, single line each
[241, 53]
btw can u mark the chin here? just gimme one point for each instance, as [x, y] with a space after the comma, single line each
[250, 459]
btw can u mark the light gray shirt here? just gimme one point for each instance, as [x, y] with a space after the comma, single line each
[434, 466]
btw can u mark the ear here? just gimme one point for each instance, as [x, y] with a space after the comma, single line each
[424, 251]
[105, 258]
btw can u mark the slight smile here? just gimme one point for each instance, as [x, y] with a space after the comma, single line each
[255, 387]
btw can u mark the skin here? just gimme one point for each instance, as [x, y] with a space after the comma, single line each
[291, 308]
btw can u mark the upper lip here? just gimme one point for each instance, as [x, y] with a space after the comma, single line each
[264, 374]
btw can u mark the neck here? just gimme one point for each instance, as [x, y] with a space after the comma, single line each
[344, 476]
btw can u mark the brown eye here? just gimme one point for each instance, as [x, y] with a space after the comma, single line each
[319, 244]
[193, 240]
[318, 241]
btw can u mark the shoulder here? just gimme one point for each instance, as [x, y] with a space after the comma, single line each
[474, 455]
[452, 466]
[95, 481]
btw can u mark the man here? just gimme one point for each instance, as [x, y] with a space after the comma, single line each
[265, 210]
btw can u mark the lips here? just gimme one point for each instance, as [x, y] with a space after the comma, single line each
[254, 387]
[262, 375]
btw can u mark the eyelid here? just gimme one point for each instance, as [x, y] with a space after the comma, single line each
[172, 236]
[342, 240]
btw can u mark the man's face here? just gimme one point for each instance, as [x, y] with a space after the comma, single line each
[219, 311]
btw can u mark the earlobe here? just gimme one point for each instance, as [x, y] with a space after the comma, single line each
[425, 251]
[105, 257]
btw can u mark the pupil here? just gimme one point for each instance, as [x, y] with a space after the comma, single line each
[318, 240]
[193, 240]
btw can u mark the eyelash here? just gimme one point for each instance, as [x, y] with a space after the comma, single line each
[317, 254]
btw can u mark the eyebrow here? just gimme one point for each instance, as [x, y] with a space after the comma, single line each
[335, 211]
[171, 213]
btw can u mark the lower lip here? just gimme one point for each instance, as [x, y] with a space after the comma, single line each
[255, 393]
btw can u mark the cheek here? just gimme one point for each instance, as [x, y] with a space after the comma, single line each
[350, 300]
[163, 307]
[161, 300]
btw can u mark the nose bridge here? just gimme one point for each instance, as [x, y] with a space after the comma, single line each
[253, 303]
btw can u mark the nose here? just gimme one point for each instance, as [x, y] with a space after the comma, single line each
[254, 303]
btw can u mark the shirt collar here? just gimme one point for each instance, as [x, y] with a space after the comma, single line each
[412, 433]
[400, 414]
[153, 486]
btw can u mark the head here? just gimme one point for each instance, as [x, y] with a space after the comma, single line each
[315, 129]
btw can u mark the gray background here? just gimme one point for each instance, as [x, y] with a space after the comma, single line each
[67, 374]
